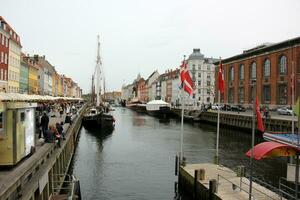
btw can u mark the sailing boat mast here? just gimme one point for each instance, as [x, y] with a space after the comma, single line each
[98, 73]
[93, 91]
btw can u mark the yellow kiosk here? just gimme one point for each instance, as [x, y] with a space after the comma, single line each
[17, 131]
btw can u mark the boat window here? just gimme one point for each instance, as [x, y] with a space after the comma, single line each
[93, 112]
[2, 131]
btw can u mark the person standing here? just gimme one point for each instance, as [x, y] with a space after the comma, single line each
[44, 123]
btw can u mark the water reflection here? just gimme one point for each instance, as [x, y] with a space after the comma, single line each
[136, 159]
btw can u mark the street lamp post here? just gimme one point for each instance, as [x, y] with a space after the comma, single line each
[253, 138]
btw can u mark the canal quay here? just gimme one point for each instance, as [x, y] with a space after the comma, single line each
[136, 160]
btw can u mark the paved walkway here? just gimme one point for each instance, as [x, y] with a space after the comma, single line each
[227, 179]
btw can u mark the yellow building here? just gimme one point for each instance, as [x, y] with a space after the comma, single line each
[54, 84]
[33, 77]
[14, 62]
[59, 86]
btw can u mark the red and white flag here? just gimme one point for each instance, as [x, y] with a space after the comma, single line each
[221, 78]
[185, 78]
[260, 125]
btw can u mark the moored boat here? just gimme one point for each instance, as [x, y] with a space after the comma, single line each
[158, 108]
[95, 117]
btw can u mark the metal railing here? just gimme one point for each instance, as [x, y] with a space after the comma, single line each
[286, 189]
[235, 186]
[64, 183]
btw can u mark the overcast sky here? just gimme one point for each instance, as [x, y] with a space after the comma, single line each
[141, 36]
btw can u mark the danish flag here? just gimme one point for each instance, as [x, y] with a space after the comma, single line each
[260, 125]
[221, 78]
[185, 78]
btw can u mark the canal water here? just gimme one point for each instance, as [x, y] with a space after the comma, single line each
[136, 159]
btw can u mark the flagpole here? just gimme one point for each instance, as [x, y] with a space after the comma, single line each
[252, 141]
[181, 134]
[218, 129]
[182, 116]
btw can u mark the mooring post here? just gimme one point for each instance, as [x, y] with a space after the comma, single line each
[196, 172]
[212, 189]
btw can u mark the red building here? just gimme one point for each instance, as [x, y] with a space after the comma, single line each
[268, 68]
[4, 50]
[142, 90]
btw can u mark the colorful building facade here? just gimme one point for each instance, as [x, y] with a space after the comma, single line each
[14, 57]
[33, 87]
[4, 50]
[24, 75]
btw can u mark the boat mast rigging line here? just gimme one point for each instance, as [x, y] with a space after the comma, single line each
[98, 74]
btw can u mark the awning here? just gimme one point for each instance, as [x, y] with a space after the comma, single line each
[271, 149]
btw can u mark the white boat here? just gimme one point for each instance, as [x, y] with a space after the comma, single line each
[158, 108]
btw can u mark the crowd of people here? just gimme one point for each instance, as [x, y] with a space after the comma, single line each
[54, 132]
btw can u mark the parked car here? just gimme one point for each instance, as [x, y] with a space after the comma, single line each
[284, 111]
[215, 107]
[226, 107]
[238, 108]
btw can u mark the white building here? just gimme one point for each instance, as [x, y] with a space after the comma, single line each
[202, 71]
[175, 100]
[150, 82]
[127, 92]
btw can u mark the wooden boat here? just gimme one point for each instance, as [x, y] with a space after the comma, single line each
[95, 117]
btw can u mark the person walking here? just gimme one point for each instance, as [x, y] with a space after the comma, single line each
[44, 123]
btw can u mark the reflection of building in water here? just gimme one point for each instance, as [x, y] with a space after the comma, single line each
[138, 121]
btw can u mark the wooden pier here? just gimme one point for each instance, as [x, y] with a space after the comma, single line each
[41, 174]
[219, 183]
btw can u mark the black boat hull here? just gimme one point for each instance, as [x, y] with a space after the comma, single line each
[98, 121]
[163, 112]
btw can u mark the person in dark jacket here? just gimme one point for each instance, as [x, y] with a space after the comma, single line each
[44, 123]
[60, 130]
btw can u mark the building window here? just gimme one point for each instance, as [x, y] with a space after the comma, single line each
[241, 95]
[5, 58]
[194, 67]
[230, 95]
[199, 91]
[253, 70]
[199, 75]
[266, 94]
[231, 75]
[3, 40]
[251, 94]
[267, 68]
[208, 83]
[282, 65]
[282, 94]
[199, 82]
[208, 67]
[242, 72]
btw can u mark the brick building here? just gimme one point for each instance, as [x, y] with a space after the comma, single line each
[268, 68]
